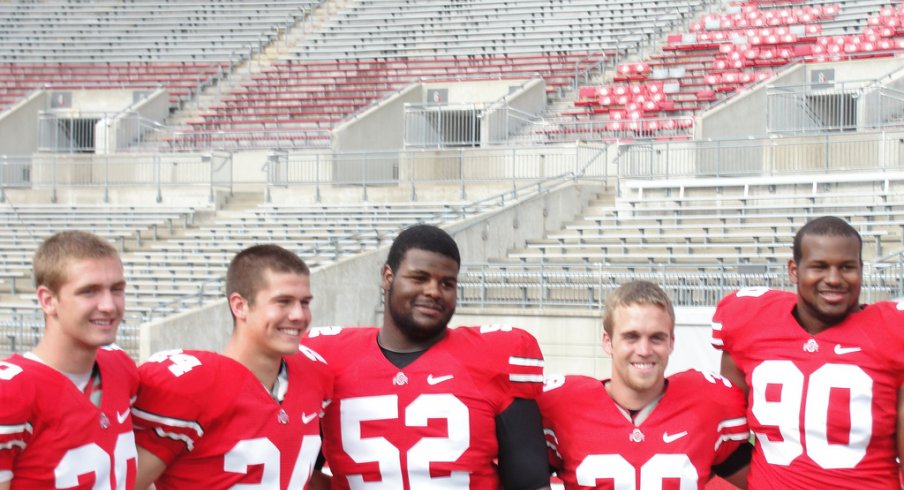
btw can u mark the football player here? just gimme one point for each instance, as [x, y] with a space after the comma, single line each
[248, 418]
[420, 405]
[640, 429]
[823, 373]
[64, 406]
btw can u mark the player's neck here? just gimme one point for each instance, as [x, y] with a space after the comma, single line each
[632, 400]
[812, 324]
[392, 339]
[64, 354]
[264, 367]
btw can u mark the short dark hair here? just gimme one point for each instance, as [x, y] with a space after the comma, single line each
[57, 251]
[824, 226]
[422, 237]
[246, 274]
[636, 293]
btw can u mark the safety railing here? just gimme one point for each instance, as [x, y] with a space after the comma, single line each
[159, 171]
[586, 285]
[463, 168]
[881, 151]
[831, 106]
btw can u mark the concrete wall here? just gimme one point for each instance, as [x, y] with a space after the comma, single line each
[95, 101]
[473, 92]
[381, 127]
[498, 123]
[348, 292]
[19, 125]
[866, 69]
[744, 115]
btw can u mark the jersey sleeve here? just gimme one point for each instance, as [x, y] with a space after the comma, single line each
[167, 413]
[729, 408]
[520, 359]
[739, 309]
[16, 399]
[551, 406]
[892, 313]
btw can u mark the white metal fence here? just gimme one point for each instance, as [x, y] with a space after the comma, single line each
[834, 106]
[53, 171]
[585, 285]
[410, 169]
[773, 156]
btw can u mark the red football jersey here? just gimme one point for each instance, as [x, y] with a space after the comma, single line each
[215, 425]
[822, 406]
[52, 436]
[432, 423]
[696, 424]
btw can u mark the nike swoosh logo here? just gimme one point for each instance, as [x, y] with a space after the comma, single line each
[845, 350]
[439, 379]
[670, 438]
[307, 417]
[121, 417]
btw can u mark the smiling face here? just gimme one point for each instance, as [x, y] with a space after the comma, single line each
[279, 315]
[420, 300]
[640, 344]
[828, 278]
[86, 310]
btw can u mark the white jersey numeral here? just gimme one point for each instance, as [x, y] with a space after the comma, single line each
[752, 292]
[785, 413]
[181, 363]
[262, 452]
[92, 459]
[616, 468]
[355, 411]
[8, 371]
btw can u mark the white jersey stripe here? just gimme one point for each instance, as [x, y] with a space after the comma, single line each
[186, 424]
[525, 361]
[12, 444]
[6, 476]
[189, 444]
[732, 437]
[526, 378]
[15, 429]
[731, 423]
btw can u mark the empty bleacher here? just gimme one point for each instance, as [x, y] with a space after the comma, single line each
[66, 44]
[700, 238]
[372, 48]
[721, 54]
[176, 258]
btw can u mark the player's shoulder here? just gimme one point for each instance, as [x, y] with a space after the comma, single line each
[184, 370]
[756, 297]
[312, 366]
[708, 386]
[495, 337]
[883, 321]
[557, 385]
[749, 304]
[563, 394]
[114, 358]
[19, 380]
[891, 312]
[330, 339]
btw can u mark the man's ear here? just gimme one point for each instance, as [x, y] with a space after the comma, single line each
[47, 300]
[238, 305]
[387, 276]
[607, 343]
